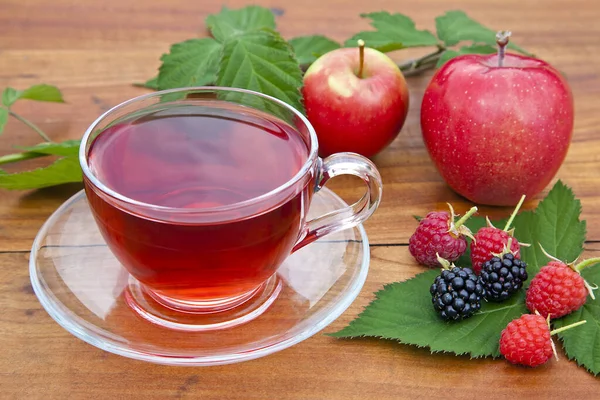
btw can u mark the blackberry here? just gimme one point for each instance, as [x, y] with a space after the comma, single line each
[456, 293]
[502, 276]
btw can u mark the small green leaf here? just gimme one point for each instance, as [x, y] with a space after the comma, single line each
[262, 61]
[228, 22]
[393, 32]
[43, 92]
[581, 343]
[150, 83]
[10, 95]
[403, 311]
[190, 63]
[3, 118]
[309, 48]
[473, 49]
[65, 149]
[456, 26]
[63, 170]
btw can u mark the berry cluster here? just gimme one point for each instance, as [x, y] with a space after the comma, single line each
[497, 273]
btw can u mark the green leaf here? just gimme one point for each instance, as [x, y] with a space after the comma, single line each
[393, 32]
[581, 343]
[3, 118]
[403, 312]
[262, 61]
[43, 92]
[309, 48]
[473, 49]
[555, 224]
[455, 26]
[65, 149]
[63, 170]
[190, 63]
[150, 83]
[228, 23]
[10, 95]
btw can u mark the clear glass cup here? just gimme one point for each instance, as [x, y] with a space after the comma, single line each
[213, 267]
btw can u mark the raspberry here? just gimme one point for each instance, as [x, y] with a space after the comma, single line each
[438, 234]
[491, 240]
[558, 289]
[527, 340]
[502, 277]
[456, 293]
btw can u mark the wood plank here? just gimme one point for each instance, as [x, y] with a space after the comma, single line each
[94, 51]
[41, 360]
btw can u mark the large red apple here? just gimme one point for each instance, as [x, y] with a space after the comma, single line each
[497, 132]
[354, 109]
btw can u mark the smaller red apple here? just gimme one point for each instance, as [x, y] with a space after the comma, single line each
[356, 99]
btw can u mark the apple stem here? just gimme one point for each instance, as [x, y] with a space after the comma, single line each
[502, 41]
[361, 57]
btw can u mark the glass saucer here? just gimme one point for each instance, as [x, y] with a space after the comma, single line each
[84, 288]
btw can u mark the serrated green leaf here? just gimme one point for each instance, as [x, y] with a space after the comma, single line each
[456, 26]
[555, 225]
[581, 343]
[65, 149]
[190, 63]
[3, 118]
[393, 32]
[403, 311]
[309, 48]
[229, 23]
[473, 49]
[63, 170]
[10, 95]
[43, 92]
[261, 61]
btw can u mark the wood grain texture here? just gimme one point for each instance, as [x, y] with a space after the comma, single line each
[95, 50]
[40, 360]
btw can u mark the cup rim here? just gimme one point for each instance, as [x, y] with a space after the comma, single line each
[312, 156]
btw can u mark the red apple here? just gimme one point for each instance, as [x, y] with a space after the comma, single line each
[497, 132]
[352, 108]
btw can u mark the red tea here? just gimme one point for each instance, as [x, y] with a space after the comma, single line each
[187, 157]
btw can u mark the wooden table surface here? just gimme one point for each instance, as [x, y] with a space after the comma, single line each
[95, 50]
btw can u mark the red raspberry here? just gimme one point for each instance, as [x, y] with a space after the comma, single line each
[527, 340]
[437, 234]
[489, 241]
[558, 289]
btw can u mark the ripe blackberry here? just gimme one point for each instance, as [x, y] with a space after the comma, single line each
[502, 276]
[456, 292]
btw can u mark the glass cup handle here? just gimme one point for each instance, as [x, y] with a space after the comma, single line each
[347, 217]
